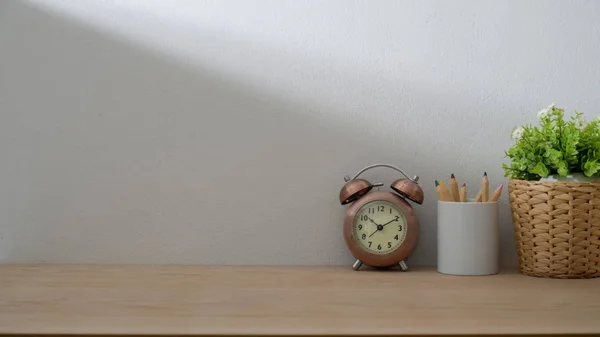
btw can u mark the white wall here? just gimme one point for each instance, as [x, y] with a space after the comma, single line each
[219, 132]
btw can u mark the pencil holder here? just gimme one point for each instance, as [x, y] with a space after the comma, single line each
[467, 238]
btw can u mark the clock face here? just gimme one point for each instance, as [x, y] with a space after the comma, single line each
[379, 227]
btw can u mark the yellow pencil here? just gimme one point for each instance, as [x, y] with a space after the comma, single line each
[496, 195]
[485, 188]
[439, 191]
[463, 193]
[454, 188]
[444, 191]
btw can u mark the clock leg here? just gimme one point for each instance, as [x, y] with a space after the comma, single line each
[403, 265]
[357, 264]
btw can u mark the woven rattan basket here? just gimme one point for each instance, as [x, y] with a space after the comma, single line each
[557, 228]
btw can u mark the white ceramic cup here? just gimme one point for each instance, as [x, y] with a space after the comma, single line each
[467, 238]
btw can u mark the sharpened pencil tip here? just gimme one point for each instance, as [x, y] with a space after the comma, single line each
[485, 174]
[452, 176]
[436, 183]
[464, 185]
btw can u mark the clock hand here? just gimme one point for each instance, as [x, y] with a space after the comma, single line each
[375, 223]
[377, 230]
[389, 222]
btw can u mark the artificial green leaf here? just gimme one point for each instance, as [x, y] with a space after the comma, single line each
[540, 169]
[562, 168]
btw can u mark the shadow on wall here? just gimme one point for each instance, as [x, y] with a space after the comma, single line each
[117, 154]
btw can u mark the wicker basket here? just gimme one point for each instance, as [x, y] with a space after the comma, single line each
[557, 228]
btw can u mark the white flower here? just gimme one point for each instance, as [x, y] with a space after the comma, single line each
[551, 106]
[542, 113]
[518, 133]
[580, 123]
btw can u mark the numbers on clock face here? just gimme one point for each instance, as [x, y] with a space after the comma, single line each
[380, 227]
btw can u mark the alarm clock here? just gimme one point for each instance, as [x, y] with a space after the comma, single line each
[380, 228]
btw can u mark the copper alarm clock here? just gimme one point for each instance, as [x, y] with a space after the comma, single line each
[380, 228]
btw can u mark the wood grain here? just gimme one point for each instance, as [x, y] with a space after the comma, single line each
[154, 300]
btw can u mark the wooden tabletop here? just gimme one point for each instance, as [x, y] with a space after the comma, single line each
[89, 299]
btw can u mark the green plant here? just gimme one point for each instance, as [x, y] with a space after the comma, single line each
[555, 146]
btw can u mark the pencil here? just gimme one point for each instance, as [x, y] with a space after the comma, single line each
[444, 191]
[496, 195]
[463, 193]
[438, 191]
[485, 188]
[454, 188]
[478, 197]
